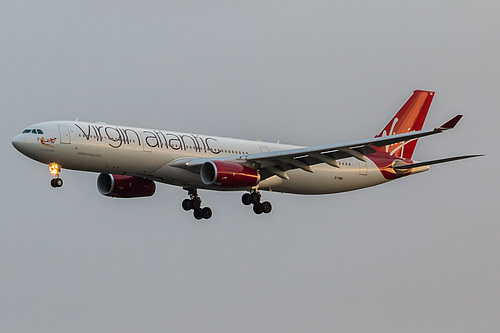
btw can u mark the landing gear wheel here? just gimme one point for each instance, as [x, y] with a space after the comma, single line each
[257, 208]
[255, 198]
[198, 213]
[206, 213]
[246, 199]
[266, 207]
[195, 203]
[56, 182]
[187, 204]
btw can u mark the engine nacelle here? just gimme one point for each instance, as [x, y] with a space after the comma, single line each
[120, 186]
[228, 174]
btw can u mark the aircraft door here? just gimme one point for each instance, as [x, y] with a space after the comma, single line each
[362, 168]
[64, 132]
[145, 146]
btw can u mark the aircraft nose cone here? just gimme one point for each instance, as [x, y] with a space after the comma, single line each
[21, 143]
[17, 142]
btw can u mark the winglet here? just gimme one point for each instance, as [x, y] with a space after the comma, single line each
[451, 123]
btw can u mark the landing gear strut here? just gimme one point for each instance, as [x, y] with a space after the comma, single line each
[54, 169]
[253, 198]
[194, 203]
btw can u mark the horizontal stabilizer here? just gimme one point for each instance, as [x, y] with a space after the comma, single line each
[443, 160]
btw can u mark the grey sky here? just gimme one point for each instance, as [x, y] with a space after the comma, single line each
[416, 255]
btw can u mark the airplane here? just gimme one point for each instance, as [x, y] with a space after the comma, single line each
[130, 160]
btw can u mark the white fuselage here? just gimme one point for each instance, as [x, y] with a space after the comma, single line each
[147, 153]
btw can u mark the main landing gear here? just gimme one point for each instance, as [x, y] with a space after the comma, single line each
[194, 203]
[253, 198]
[54, 169]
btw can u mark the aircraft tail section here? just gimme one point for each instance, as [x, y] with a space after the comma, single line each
[409, 118]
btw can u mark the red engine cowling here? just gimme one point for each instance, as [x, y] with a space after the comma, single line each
[228, 174]
[120, 186]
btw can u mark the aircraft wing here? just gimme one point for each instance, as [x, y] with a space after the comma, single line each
[278, 162]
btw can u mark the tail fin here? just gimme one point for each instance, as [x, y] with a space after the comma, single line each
[410, 117]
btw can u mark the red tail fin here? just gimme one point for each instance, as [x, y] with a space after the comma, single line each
[410, 117]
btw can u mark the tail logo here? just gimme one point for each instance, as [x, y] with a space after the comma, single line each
[392, 149]
[409, 118]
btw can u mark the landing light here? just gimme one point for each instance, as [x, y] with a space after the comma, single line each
[54, 168]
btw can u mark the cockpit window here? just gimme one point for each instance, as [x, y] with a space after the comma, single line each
[34, 131]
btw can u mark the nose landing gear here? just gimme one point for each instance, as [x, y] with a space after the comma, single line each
[253, 198]
[54, 169]
[194, 203]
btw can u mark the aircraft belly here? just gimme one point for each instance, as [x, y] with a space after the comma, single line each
[177, 176]
[327, 179]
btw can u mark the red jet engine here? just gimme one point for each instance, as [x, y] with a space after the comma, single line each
[119, 186]
[228, 174]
